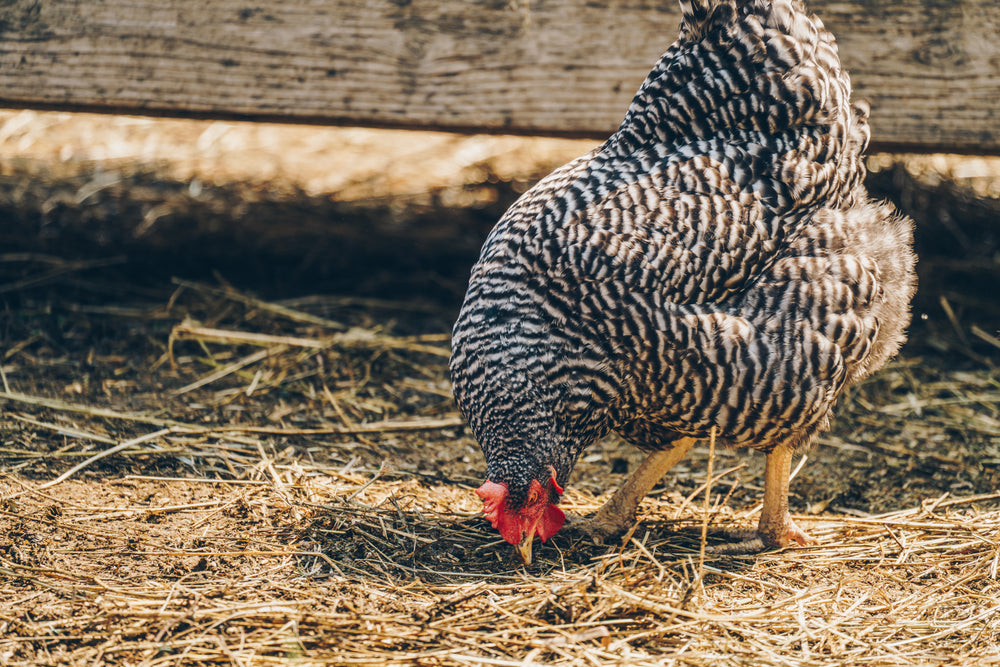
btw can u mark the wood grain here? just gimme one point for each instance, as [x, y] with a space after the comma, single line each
[931, 68]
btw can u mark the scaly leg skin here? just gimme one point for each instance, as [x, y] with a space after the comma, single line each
[618, 514]
[776, 529]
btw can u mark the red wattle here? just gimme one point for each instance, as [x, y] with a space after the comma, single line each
[511, 527]
[551, 522]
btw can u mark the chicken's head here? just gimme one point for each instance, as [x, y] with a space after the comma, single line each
[537, 515]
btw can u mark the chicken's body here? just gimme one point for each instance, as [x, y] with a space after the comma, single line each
[716, 263]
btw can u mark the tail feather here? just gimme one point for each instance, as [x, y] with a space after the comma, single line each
[754, 73]
[763, 66]
[699, 14]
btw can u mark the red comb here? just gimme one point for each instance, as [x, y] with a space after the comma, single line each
[494, 498]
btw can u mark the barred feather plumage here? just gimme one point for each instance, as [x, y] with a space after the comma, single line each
[715, 263]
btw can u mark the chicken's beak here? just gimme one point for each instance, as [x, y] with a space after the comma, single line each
[524, 548]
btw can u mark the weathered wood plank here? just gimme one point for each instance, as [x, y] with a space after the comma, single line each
[931, 68]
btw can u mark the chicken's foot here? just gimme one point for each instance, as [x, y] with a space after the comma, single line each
[776, 529]
[618, 514]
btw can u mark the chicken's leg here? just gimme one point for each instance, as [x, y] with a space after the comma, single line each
[776, 528]
[618, 514]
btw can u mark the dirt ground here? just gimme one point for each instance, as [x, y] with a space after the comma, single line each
[227, 434]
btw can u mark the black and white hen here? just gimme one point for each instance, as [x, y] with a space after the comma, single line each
[715, 264]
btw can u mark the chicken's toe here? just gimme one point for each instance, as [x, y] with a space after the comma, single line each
[601, 527]
[765, 538]
[791, 533]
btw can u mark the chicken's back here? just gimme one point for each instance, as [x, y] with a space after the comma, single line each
[743, 127]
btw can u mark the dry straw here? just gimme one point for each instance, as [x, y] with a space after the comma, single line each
[277, 541]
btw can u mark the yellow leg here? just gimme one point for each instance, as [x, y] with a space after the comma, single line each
[618, 514]
[776, 528]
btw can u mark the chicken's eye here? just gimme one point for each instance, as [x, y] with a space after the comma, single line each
[533, 496]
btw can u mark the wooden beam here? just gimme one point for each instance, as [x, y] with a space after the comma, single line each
[931, 68]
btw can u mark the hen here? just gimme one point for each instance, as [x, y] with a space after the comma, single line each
[715, 264]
